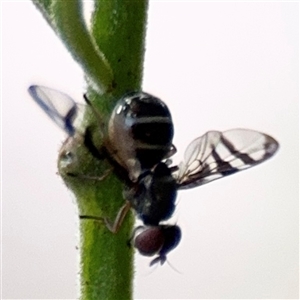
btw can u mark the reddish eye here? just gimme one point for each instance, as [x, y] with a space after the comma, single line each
[150, 241]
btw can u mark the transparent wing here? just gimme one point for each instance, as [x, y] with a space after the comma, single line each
[58, 106]
[218, 154]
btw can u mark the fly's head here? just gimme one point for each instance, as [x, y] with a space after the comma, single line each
[156, 241]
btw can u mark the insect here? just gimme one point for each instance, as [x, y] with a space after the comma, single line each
[140, 129]
[139, 139]
[209, 157]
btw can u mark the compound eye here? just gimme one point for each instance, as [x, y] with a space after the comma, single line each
[150, 241]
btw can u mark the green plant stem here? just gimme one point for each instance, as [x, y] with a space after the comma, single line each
[118, 30]
[66, 18]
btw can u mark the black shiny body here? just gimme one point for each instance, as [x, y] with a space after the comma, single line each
[140, 132]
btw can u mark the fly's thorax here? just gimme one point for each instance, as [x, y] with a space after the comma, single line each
[161, 193]
[153, 196]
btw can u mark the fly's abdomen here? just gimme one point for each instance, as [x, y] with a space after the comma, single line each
[141, 128]
[153, 139]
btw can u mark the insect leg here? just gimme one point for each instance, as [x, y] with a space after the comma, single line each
[90, 145]
[96, 113]
[115, 226]
[89, 177]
